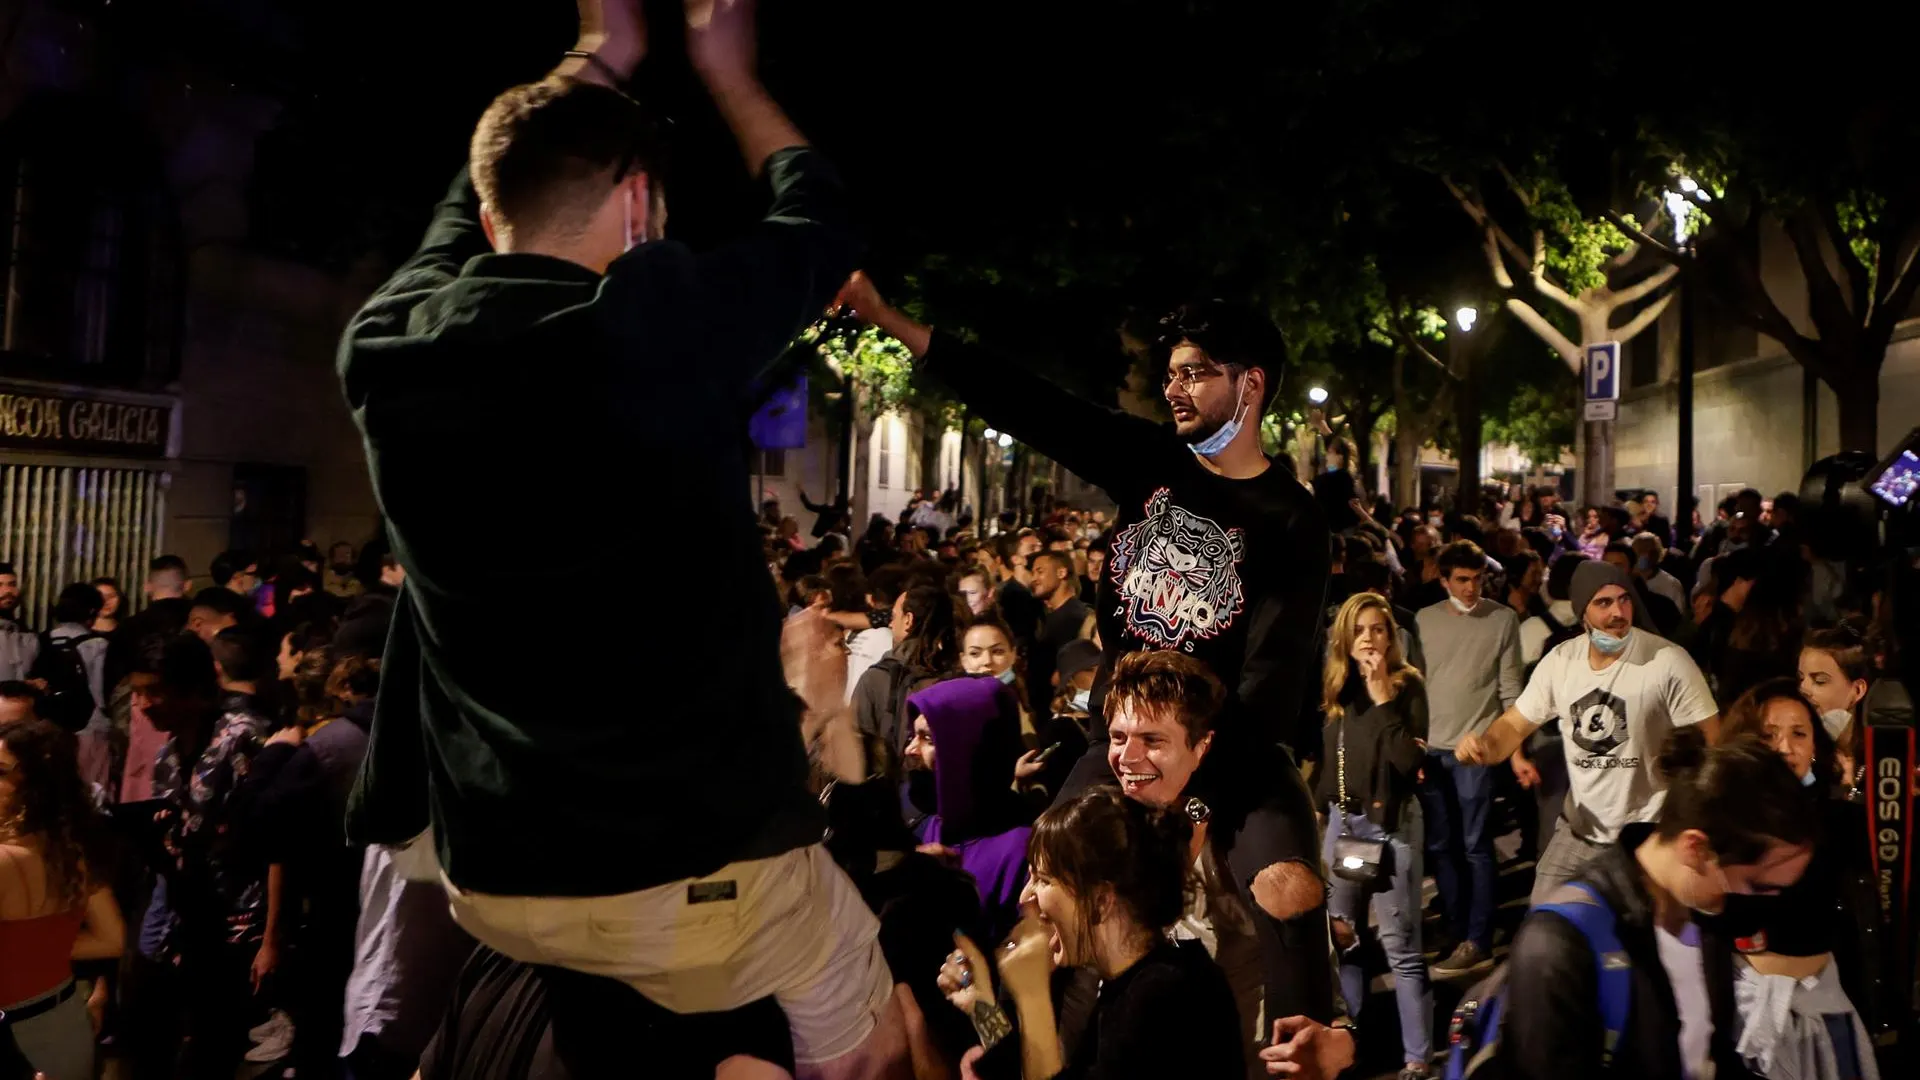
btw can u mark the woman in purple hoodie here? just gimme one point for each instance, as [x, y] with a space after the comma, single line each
[966, 738]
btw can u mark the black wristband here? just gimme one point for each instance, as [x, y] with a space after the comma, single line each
[599, 64]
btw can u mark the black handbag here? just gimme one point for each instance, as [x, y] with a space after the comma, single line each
[1363, 862]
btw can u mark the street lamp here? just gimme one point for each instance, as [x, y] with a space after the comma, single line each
[1317, 395]
[1006, 440]
[1465, 318]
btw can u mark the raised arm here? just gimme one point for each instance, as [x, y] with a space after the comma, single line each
[612, 41]
[720, 42]
[746, 301]
[1100, 445]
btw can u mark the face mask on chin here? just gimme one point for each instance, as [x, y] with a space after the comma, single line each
[1082, 700]
[1216, 444]
[1006, 677]
[1464, 609]
[1836, 721]
[1607, 643]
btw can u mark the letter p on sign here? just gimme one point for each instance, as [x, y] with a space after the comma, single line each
[1603, 371]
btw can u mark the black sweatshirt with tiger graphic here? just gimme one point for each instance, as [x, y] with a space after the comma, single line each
[1233, 572]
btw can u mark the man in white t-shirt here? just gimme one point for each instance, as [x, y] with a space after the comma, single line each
[1617, 691]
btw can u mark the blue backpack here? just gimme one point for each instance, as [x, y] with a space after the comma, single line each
[1474, 1035]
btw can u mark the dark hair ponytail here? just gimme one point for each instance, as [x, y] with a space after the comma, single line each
[1683, 755]
[1105, 838]
[1741, 794]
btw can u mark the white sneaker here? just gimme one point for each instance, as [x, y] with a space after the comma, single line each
[276, 1043]
[274, 1022]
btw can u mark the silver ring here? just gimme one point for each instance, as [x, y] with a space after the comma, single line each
[966, 979]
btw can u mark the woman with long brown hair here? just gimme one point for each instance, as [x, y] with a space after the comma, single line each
[54, 909]
[1109, 876]
[1376, 706]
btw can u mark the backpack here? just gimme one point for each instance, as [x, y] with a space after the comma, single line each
[1473, 1037]
[68, 698]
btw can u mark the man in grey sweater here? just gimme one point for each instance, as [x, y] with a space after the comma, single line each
[1472, 649]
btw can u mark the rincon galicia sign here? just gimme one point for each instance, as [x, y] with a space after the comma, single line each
[72, 423]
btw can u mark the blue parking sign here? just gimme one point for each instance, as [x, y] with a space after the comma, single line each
[1602, 374]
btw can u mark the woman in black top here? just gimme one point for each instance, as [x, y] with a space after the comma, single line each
[1108, 876]
[1376, 707]
[1812, 948]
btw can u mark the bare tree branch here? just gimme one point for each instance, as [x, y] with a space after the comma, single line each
[1644, 319]
[1526, 197]
[1645, 241]
[1632, 251]
[1547, 288]
[1825, 304]
[1898, 275]
[1645, 286]
[1735, 282]
[1495, 262]
[1858, 276]
[1417, 347]
[1477, 210]
[1546, 332]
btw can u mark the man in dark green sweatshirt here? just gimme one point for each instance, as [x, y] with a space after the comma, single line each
[544, 369]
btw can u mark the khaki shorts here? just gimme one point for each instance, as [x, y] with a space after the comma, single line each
[792, 927]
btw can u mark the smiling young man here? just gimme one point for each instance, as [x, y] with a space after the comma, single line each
[1162, 710]
[1216, 555]
[1617, 690]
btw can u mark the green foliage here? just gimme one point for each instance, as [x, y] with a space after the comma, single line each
[1528, 401]
[1578, 246]
[882, 367]
[1538, 421]
[1860, 214]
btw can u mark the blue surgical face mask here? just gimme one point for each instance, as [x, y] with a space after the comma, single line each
[1215, 444]
[1607, 643]
[1809, 779]
[1006, 677]
[1082, 700]
[1646, 565]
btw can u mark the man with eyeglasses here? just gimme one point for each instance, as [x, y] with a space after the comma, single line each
[1216, 553]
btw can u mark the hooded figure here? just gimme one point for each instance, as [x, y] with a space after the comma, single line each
[975, 724]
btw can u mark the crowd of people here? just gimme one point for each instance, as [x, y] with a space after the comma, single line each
[1132, 791]
[180, 765]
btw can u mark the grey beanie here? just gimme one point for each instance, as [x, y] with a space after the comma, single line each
[1589, 578]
